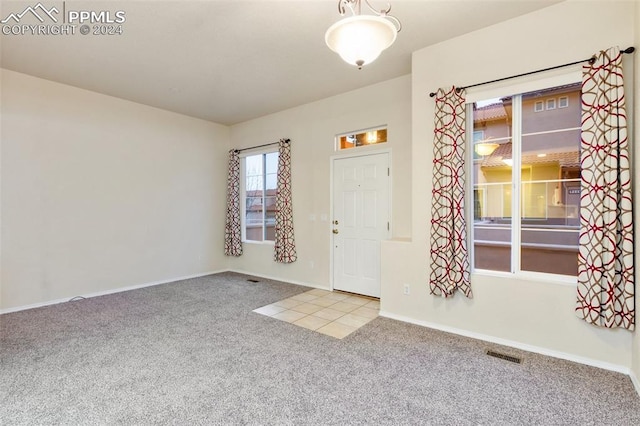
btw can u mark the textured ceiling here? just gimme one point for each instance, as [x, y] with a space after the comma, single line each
[231, 61]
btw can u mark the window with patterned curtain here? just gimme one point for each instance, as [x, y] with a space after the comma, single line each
[448, 251]
[606, 286]
[285, 244]
[233, 230]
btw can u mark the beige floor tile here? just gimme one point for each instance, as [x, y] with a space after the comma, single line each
[374, 304]
[329, 314]
[323, 301]
[311, 322]
[270, 310]
[289, 316]
[353, 320]
[304, 297]
[344, 307]
[337, 296]
[319, 292]
[306, 308]
[363, 311]
[360, 301]
[289, 303]
[336, 330]
[333, 314]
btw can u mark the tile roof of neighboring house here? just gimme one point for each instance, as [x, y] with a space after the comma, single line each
[489, 112]
[566, 159]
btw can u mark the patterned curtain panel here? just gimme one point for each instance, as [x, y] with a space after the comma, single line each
[232, 230]
[605, 261]
[449, 256]
[285, 244]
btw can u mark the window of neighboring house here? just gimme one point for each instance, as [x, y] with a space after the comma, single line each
[526, 194]
[478, 135]
[538, 106]
[366, 137]
[259, 181]
[563, 102]
[551, 103]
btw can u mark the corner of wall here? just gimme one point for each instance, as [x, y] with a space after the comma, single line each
[100, 194]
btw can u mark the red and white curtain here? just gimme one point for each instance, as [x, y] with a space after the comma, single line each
[285, 244]
[232, 229]
[606, 285]
[449, 256]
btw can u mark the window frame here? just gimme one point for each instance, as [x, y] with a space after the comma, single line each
[518, 86]
[476, 156]
[535, 106]
[566, 99]
[548, 102]
[243, 193]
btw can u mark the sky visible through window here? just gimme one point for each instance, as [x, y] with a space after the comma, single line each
[255, 173]
[486, 102]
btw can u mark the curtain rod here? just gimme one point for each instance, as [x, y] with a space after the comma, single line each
[262, 146]
[591, 60]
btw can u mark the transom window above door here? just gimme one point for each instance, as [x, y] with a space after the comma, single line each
[367, 137]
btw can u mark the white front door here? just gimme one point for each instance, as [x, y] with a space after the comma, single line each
[360, 221]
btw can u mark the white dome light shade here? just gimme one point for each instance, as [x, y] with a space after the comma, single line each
[485, 149]
[360, 39]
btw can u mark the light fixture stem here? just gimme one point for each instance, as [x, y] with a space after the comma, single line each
[356, 9]
[382, 12]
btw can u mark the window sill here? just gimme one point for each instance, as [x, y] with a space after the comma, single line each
[540, 277]
[260, 243]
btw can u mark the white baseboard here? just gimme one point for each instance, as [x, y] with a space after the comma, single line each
[523, 346]
[150, 284]
[267, 277]
[105, 292]
[635, 381]
[453, 330]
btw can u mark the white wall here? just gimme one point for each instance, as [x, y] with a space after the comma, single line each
[99, 193]
[528, 313]
[312, 129]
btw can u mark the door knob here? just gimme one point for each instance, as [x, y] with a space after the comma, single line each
[335, 231]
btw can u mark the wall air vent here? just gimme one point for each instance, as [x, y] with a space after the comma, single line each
[504, 356]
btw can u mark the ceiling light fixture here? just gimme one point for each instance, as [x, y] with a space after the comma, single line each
[359, 39]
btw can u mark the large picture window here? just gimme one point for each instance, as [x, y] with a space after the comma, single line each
[259, 202]
[526, 192]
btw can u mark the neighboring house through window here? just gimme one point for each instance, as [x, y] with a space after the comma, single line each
[526, 194]
[259, 183]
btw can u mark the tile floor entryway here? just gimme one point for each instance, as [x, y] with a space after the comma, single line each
[335, 314]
